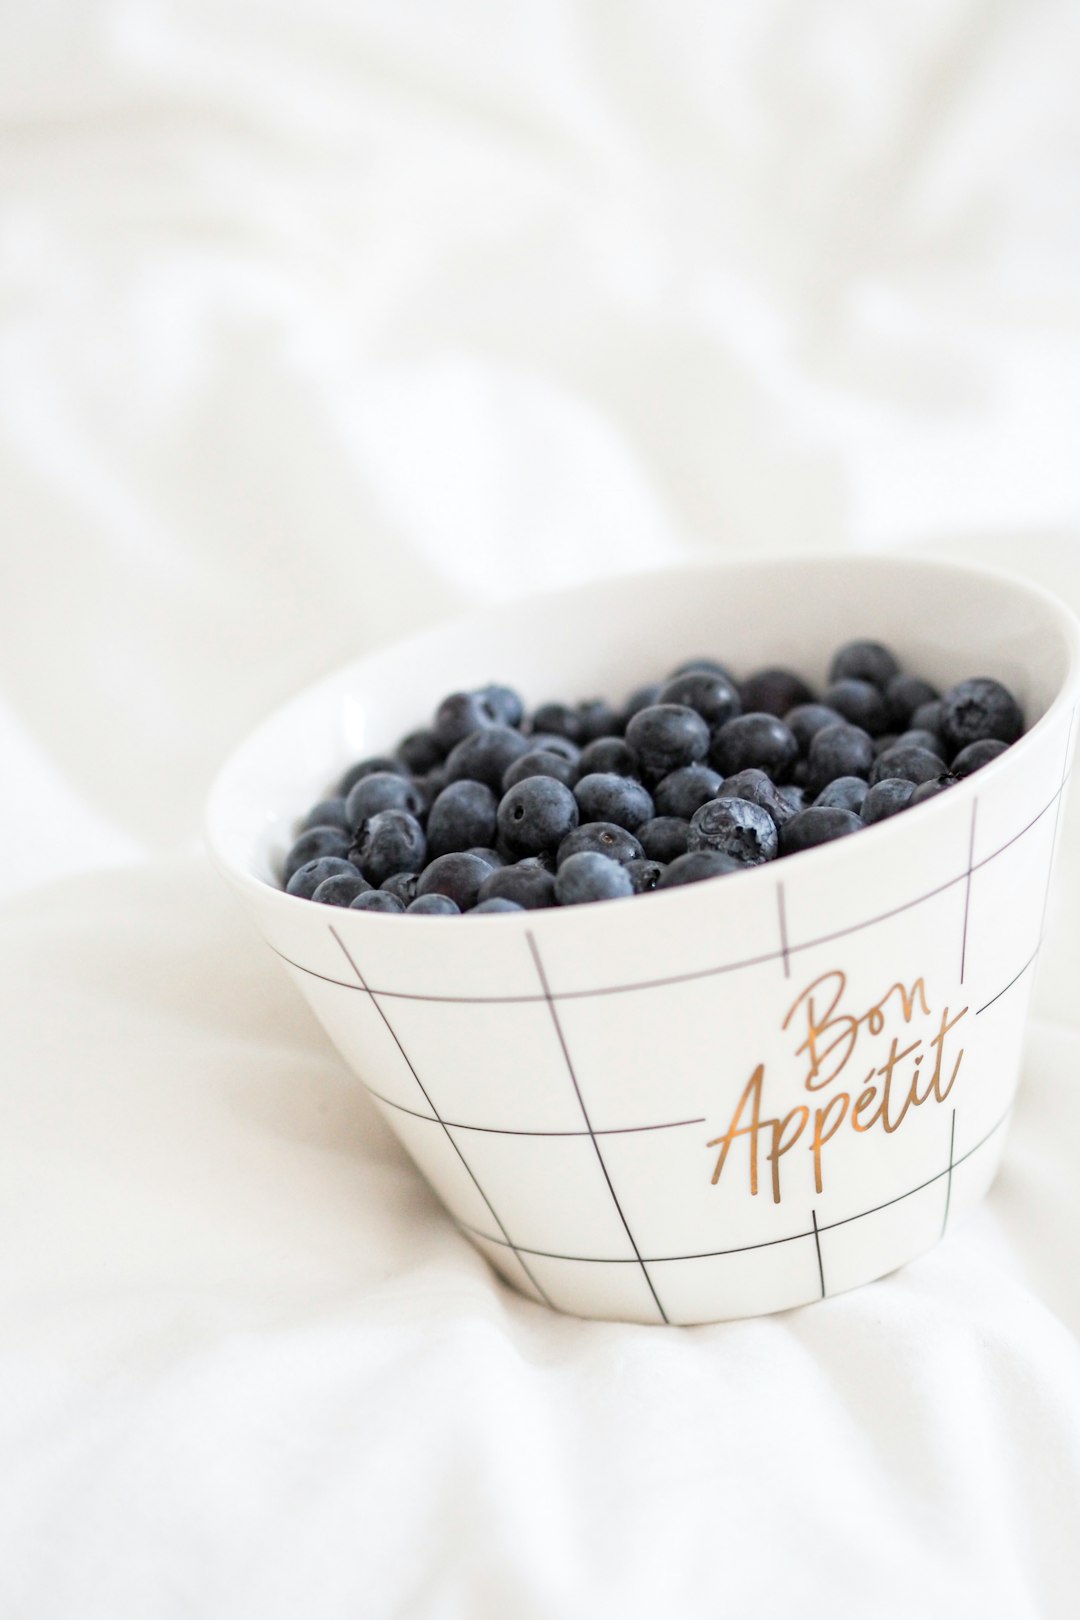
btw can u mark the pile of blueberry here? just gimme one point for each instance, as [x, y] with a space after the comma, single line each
[490, 810]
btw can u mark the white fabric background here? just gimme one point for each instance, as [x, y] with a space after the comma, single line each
[318, 320]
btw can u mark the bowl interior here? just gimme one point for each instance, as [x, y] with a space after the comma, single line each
[944, 622]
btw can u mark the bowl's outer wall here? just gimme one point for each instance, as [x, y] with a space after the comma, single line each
[727, 1099]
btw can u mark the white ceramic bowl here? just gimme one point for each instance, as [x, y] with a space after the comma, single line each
[727, 1098]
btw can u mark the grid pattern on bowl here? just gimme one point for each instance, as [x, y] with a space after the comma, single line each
[543, 1269]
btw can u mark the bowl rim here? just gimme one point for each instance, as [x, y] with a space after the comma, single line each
[240, 875]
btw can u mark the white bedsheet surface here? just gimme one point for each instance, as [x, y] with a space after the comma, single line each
[316, 321]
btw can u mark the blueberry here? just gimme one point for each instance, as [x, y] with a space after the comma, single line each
[757, 740]
[838, 751]
[887, 740]
[540, 762]
[794, 797]
[536, 815]
[460, 714]
[606, 797]
[904, 695]
[915, 764]
[696, 866]
[686, 790]
[979, 710]
[492, 856]
[464, 814]
[430, 786]
[402, 885]
[607, 754]
[341, 889]
[388, 842]
[927, 717]
[368, 767]
[820, 824]
[602, 838]
[666, 736]
[861, 704]
[759, 789]
[774, 691]
[735, 827]
[918, 739]
[807, 719]
[495, 902]
[642, 697]
[588, 876]
[382, 791]
[327, 813]
[433, 905]
[664, 838]
[458, 875]
[421, 751]
[864, 661]
[560, 720]
[552, 743]
[598, 719]
[887, 798]
[714, 697]
[306, 879]
[845, 793]
[485, 756]
[710, 666]
[645, 875]
[527, 882]
[310, 845]
[976, 755]
[376, 900]
[506, 703]
[931, 789]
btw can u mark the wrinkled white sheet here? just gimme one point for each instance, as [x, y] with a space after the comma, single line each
[317, 320]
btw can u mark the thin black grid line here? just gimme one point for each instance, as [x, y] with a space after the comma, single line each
[817, 1246]
[508, 1130]
[745, 1248]
[1032, 959]
[698, 973]
[967, 889]
[948, 1184]
[449, 1137]
[782, 910]
[1057, 820]
[585, 1116]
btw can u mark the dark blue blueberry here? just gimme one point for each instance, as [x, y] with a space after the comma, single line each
[838, 751]
[536, 815]
[774, 691]
[506, 703]
[845, 793]
[433, 905]
[368, 767]
[607, 754]
[903, 696]
[976, 755]
[735, 827]
[807, 719]
[861, 703]
[492, 856]
[382, 790]
[552, 743]
[645, 875]
[528, 883]
[421, 751]
[560, 720]
[495, 902]
[794, 797]
[665, 737]
[310, 845]
[485, 756]
[462, 713]
[388, 842]
[888, 740]
[430, 786]
[887, 798]
[819, 824]
[914, 764]
[341, 889]
[588, 876]
[602, 838]
[710, 666]
[799, 775]
[664, 838]
[919, 739]
[754, 741]
[759, 789]
[931, 789]
[642, 697]
[606, 797]
[377, 900]
[598, 719]
[927, 717]
[327, 813]
[686, 790]
[458, 875]
[714, 697]
[540, 762]
[402, 885]
[979, 710]
[464, 814]
[864, 661]
[306, 879]
[696, 866]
